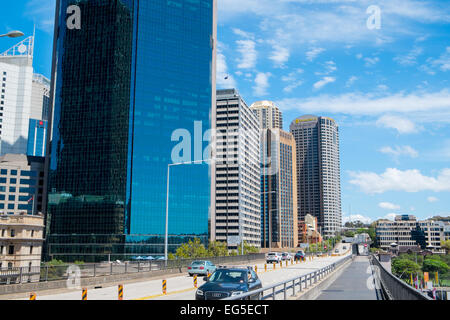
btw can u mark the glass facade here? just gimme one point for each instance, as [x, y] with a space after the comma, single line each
[134, 74]
[37, 135]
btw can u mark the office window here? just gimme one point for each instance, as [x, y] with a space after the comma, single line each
[11, 250]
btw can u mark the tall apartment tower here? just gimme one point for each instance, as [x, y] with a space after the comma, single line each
[278, 190]
[237, 172]
[269, 116]
[134, 90]
[318, 171]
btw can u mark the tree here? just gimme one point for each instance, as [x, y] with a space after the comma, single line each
[446, 245]
[404, 267]
[217, 249]
[192, 249]
[350, 234]
[247, 248]
[435, 265]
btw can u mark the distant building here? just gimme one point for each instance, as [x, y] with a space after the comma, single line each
[407, 232]
[279, 220]
[237, 191]
[24, 96]
[318, 171]
[37, 135]
[21, 184]
[308, 230]
[269, 116]
[21, 238]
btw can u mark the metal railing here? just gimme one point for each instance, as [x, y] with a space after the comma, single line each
[394, 288]
[46, 273]
[295, 284]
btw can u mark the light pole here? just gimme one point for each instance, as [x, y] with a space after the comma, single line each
[12, 34]
[166, 241]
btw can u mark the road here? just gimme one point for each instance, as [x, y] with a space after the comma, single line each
[181, 287]
[355, 283]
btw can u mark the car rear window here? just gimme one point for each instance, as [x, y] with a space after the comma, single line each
[231, 276]
[196, 263]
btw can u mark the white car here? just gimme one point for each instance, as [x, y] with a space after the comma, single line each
[273, 257]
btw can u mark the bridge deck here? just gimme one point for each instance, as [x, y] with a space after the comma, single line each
[352, 283]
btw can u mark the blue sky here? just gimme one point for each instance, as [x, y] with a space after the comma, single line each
[387, 88]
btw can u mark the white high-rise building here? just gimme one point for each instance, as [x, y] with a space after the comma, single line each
[268, 114]
[237, 205]
[22, 96]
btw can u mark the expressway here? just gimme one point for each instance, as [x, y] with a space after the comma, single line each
[181, 287]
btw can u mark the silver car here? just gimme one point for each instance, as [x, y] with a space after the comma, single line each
[201, 267]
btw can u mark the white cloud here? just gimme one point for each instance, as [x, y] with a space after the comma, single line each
[401, 124]
[261, 84]
[397, 180]
[293, 80]
[319, 20]
[434, 106]
[390, 216]
[400, 150]
[432, 199]
[330, 67]
[325, 80]
[443, 62]
[371, 61]
[356, 217]
[42, 13]
[410, 58]
[388, 206]
[249, 55]
[313, 53]
[280, 55]
[223, 79]
[243, 34]
[350, 81]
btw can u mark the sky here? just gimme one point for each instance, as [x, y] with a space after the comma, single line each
[381, 69]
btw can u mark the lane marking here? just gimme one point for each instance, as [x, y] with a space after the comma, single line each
[167, 294]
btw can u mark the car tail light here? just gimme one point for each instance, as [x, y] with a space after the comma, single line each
[201, 268]
[189, 268]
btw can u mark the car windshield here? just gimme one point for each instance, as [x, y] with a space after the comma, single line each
[232, 276]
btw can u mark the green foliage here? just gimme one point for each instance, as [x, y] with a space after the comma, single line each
[404, 267]
[233, 253]
[350, 234]
[79, 262]
[247, 249]
[55, 262]
[171, 256]
[446, 245]
[192, 249]
[217, 249]
[435, 265]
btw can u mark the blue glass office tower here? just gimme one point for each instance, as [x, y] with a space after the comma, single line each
[37, 136]
[136, 73]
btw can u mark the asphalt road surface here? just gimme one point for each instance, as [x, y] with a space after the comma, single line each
[181, 287]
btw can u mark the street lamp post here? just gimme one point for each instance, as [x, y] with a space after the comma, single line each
[166, 241]
[12, 34]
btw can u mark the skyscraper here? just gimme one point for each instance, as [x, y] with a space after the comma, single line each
[318, 171]
[268, 114]
[237, 172]
[278, 190]
[134, 80]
